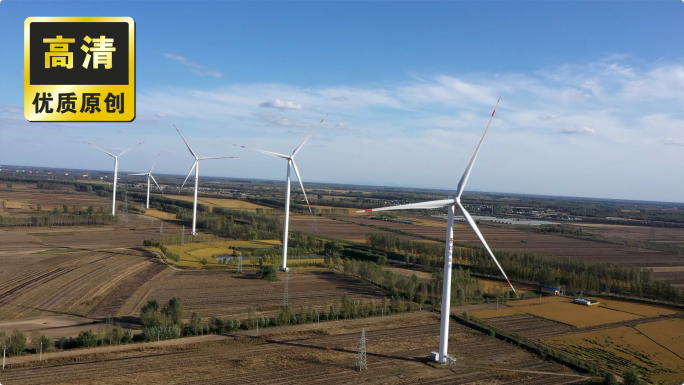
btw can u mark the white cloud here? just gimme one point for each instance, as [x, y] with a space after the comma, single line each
[579, 131]
[281, 105]
[673, 142]
[194, 67]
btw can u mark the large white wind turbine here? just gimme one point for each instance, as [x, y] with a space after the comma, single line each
[116, 170]
[451, 203]
[290, 163]
[149, 176]
[195, 166]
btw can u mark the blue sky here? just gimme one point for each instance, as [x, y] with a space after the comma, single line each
[592, 93]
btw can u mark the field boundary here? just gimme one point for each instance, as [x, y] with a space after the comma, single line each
[657, 343]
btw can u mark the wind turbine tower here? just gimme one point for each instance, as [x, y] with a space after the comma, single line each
[195, 166]
[116, 170]
[149, 176]
[442, 357]
[290, 164]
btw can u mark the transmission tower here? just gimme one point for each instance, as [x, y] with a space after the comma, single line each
[314, 226]
[361, 356]
[529, 235]
[239, 267]
[183, 236]
[161, 227]
[286, 297]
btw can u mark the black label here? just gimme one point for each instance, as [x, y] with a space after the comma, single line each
[77, 74]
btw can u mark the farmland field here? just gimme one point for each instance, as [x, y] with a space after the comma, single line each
[192, 253]
[49, 201]
[160, 214]
[228, 203]
[227, 294]
[86, 283]
[669, 333]
[563, 312]
[577, 315]
[620, 348]
[296, 355]
[636, 308]
[334, 229]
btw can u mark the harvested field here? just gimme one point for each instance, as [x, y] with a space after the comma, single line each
[235, 204]
[577, 315]
[396, 349]
[227, 294]
[32, 196]
[561, 311]
[74, 283]
[537, 301]
[422, 275]
[636, 308]
[160, 214]
[502, 311]
[669, 334]
[335, 229]
[497, 286]
[528, 325]
[620, 348]
[56, 326]
[635, 233]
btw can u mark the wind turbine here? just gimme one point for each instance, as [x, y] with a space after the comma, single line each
[116, 170]
[448, 253]
[290, 163]
[149, 176]
[195, 166]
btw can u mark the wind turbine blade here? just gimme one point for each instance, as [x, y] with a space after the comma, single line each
[132, 148]
[265, 152]
[186, 178]
[294, 165]
[469, 167]
[473, 225]
[308, 136]
[108, 153]
[414, 206]
[186, 142]
[155, 163]
[142, 173]
[157, 184]
[216, 157]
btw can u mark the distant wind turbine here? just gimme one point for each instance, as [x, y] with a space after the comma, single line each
[195, 166]
[290, 163]
[448, 254]
[150, 176]
[116, 170]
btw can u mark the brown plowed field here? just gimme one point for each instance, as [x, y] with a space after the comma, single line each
[396, 349]
[335, 229]
[73, 282]
[49, 201]
[226, 294]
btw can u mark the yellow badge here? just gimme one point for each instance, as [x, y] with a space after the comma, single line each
[79, 69]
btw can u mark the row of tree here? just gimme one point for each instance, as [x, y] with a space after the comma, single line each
[60, 219]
